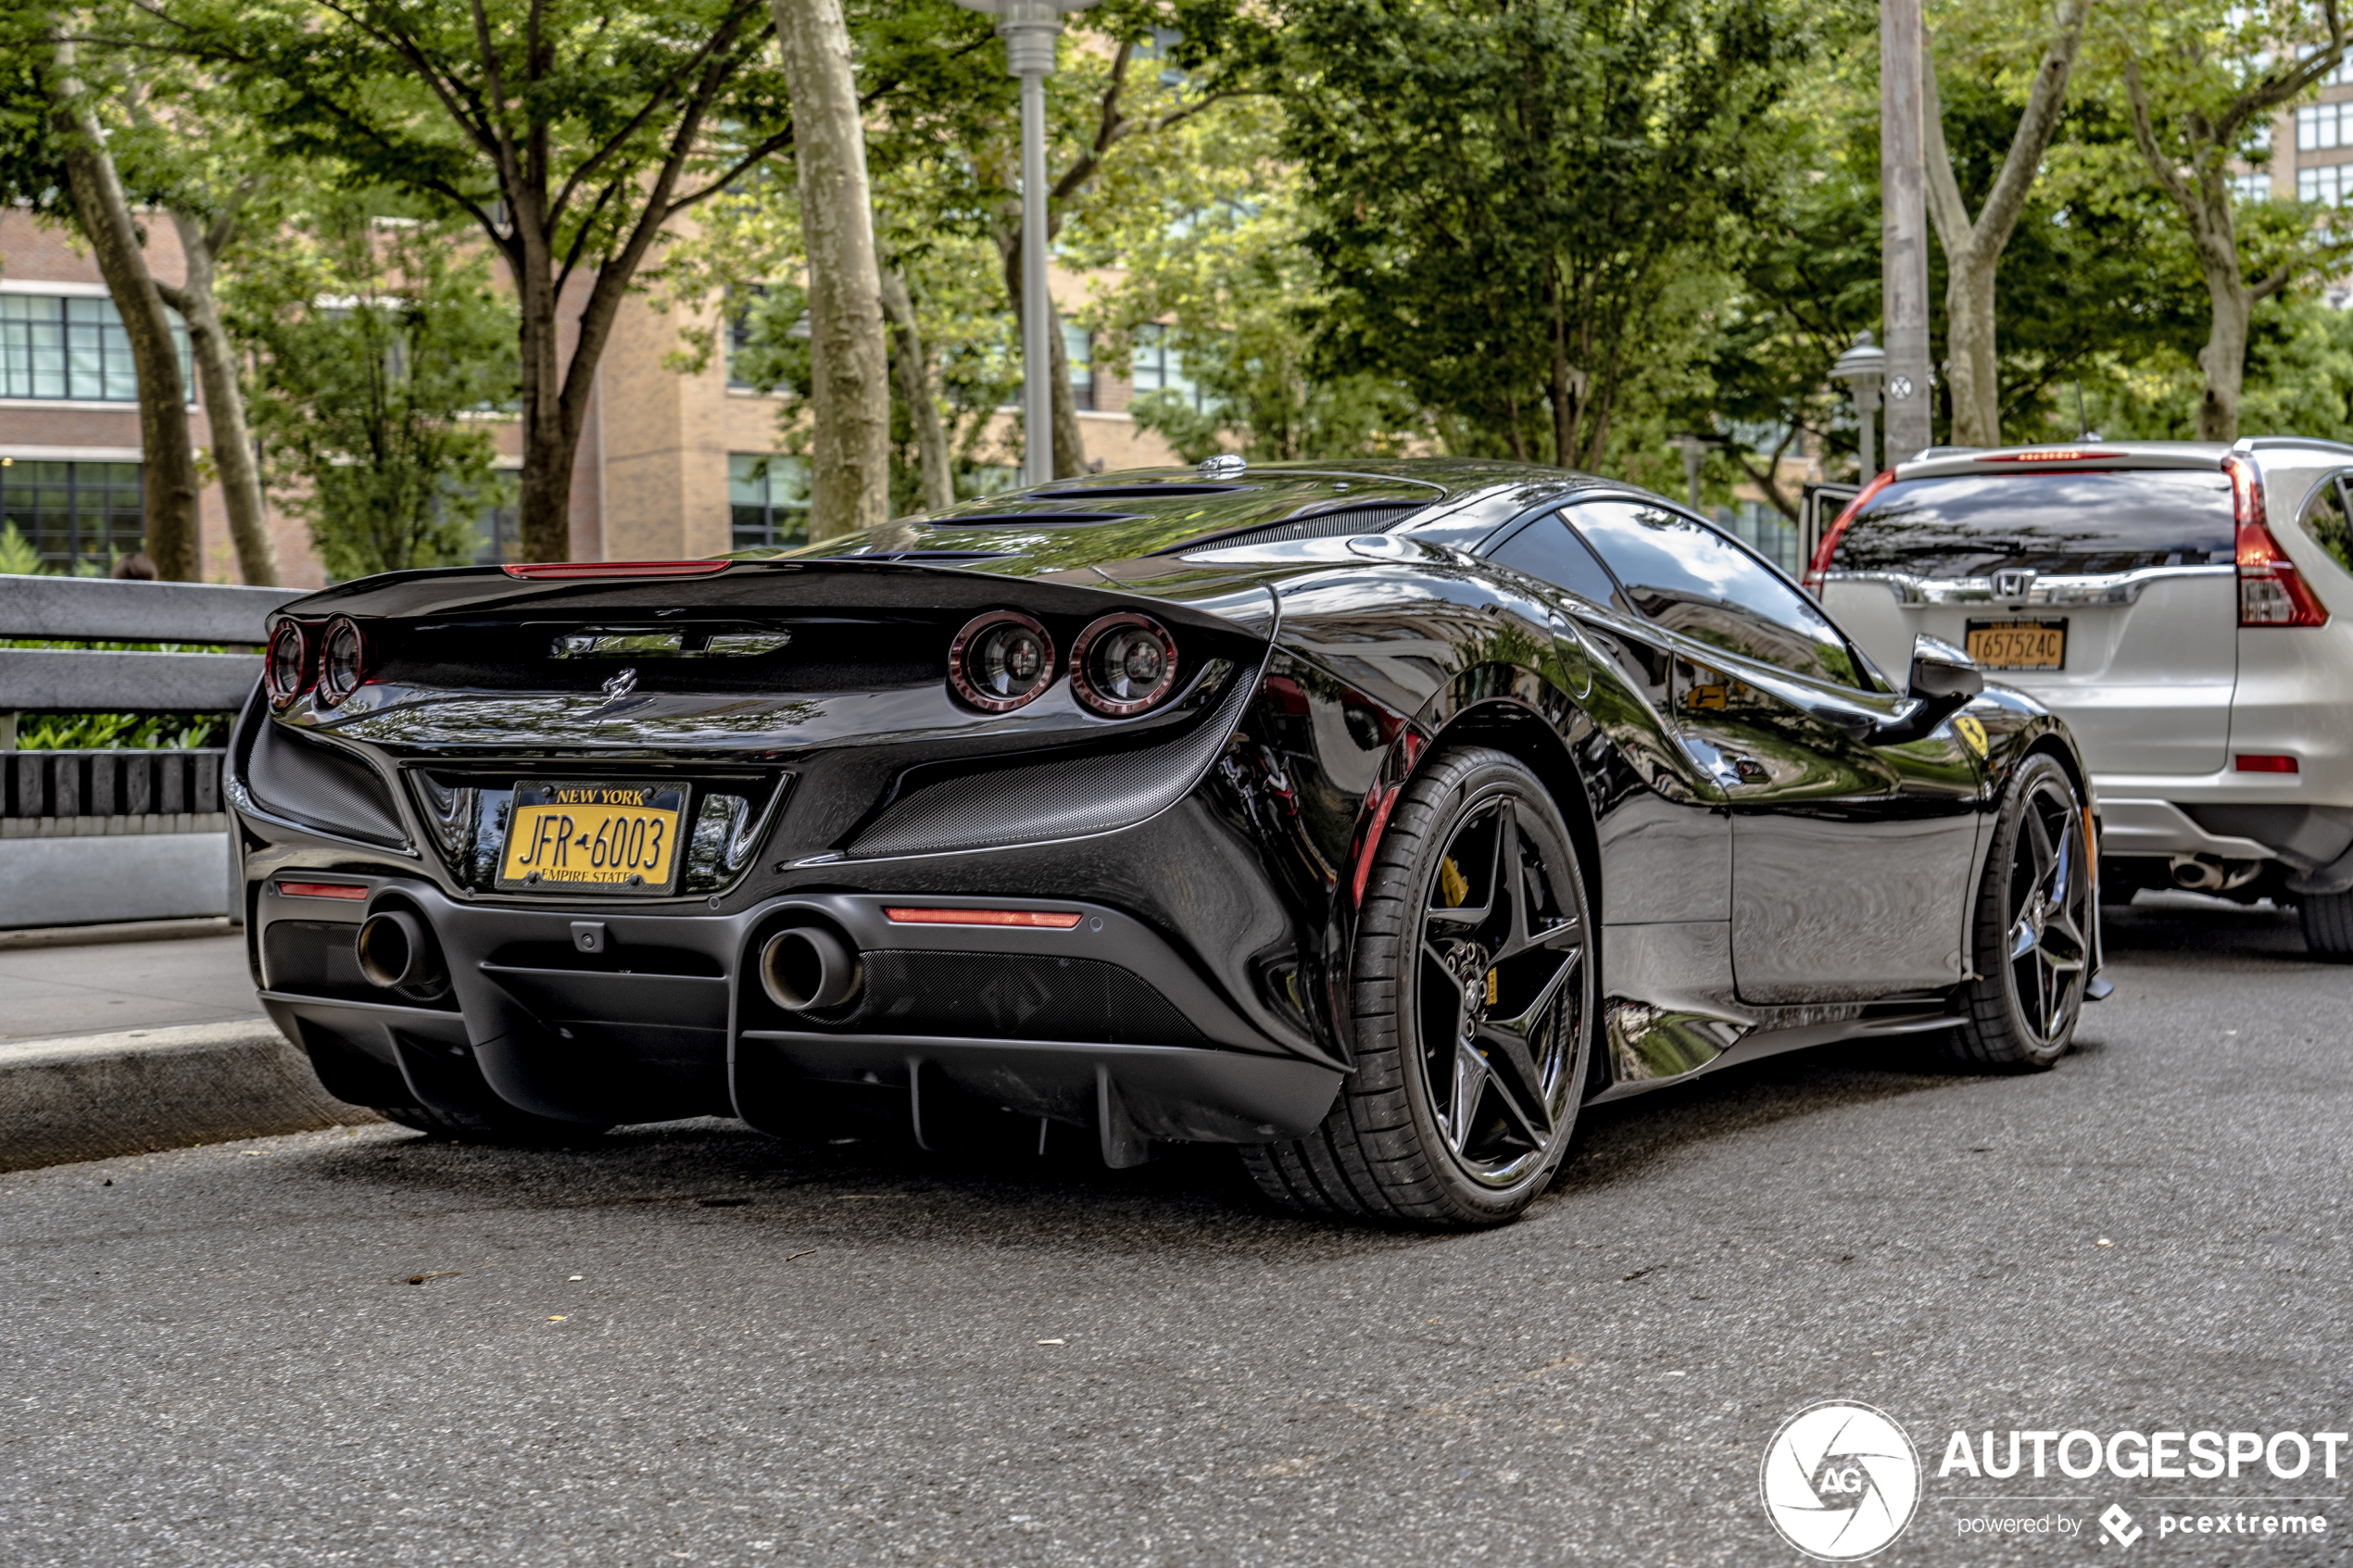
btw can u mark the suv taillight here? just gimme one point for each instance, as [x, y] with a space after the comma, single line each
[2271, 592]
[1818, 570]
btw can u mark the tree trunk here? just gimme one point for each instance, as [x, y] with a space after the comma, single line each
[544, 490]
[1070, 445]
[1973, 249]
[2223, 360]
[224, 404]
[1974, 377]
[851, 369]
[168, 453]
[915, 385]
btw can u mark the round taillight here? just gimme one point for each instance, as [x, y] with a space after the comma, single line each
[286, 667]
[1000, 660]
[1123, 664]
[343, 660]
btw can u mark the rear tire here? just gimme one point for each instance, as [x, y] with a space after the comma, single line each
[2328, 925]
[1475, 905]
[517, 1129]
[2035, 928]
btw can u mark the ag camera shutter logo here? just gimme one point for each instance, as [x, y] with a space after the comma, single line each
[1840, 1481]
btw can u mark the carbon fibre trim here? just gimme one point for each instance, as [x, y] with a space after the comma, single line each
[1013, 995]
[1046, 800]
[311, 783]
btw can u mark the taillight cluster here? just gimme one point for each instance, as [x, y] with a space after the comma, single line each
[1818, 570]
[334, 661]
[2271, 592]
[1121, 664]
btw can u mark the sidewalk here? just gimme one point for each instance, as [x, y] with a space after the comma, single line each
[112, 987]
[112, 1046]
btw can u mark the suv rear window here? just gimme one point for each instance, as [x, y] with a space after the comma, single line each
[2055, 524]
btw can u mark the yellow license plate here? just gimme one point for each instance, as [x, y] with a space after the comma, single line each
[593, 838]
[2018, 645]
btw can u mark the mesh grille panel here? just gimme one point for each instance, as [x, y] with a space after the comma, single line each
[1053, 799]
[1012, 996]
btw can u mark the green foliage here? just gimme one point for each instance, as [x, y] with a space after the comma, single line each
[1504, 195]
[1203, 227]
[408, 96]
[124, 731]
[17, 557]
[376, 340]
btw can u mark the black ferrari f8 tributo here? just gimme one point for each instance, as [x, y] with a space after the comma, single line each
[1374, 818]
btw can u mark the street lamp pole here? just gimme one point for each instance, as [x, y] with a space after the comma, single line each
[1030, 28]
[1904, 225]
[1863, 368]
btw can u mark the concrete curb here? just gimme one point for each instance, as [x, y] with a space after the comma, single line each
[115, 931]
[91, 1096]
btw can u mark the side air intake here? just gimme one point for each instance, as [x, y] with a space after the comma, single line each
[1376, 518]
[319, 786]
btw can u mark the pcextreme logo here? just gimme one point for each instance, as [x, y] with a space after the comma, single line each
[1840, 1481]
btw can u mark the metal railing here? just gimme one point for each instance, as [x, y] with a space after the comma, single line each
[103, 610]
[112, 799]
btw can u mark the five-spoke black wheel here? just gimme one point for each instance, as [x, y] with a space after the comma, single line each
[2037, 921]
[1475, 1008]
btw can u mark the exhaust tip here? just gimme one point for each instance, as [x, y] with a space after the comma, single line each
[396, 953]
[807, 967]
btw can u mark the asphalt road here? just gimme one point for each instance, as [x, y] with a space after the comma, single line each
[693, 1345]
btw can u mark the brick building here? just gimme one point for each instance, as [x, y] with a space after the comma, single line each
[670, 464]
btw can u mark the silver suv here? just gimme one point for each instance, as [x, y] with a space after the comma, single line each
[2186, 605]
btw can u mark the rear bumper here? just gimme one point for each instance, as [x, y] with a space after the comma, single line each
[1105, 1025]
[2314, 844]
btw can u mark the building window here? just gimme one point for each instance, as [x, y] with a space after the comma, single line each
[2320, 126]
[2254, 187]
[74, 514]
[2325, 184]
[767, 500]
[73, 350]
[1079, 352]
[1160, 368]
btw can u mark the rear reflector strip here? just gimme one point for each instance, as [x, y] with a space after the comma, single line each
[616, 569]
[1051, 919]
[322, 890]
[2264, 762]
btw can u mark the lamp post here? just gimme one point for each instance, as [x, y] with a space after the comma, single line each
[1029, 28]
[1694, 451]
[1904, 225]
[1864, 367]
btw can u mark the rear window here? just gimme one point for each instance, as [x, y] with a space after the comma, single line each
[2054, 524]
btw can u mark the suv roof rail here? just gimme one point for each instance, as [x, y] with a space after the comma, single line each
[2276, 443]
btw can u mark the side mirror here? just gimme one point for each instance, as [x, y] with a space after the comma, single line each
[1941, 682]
[1940, 669]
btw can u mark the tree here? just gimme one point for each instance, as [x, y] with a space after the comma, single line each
[2200, 82]
[175, 149]
[850, 483]
[570, 132]
[1973, 249]
[1200, 229]
[1504, 193]
[375, 340]
[95, 196]
[1104, 104]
